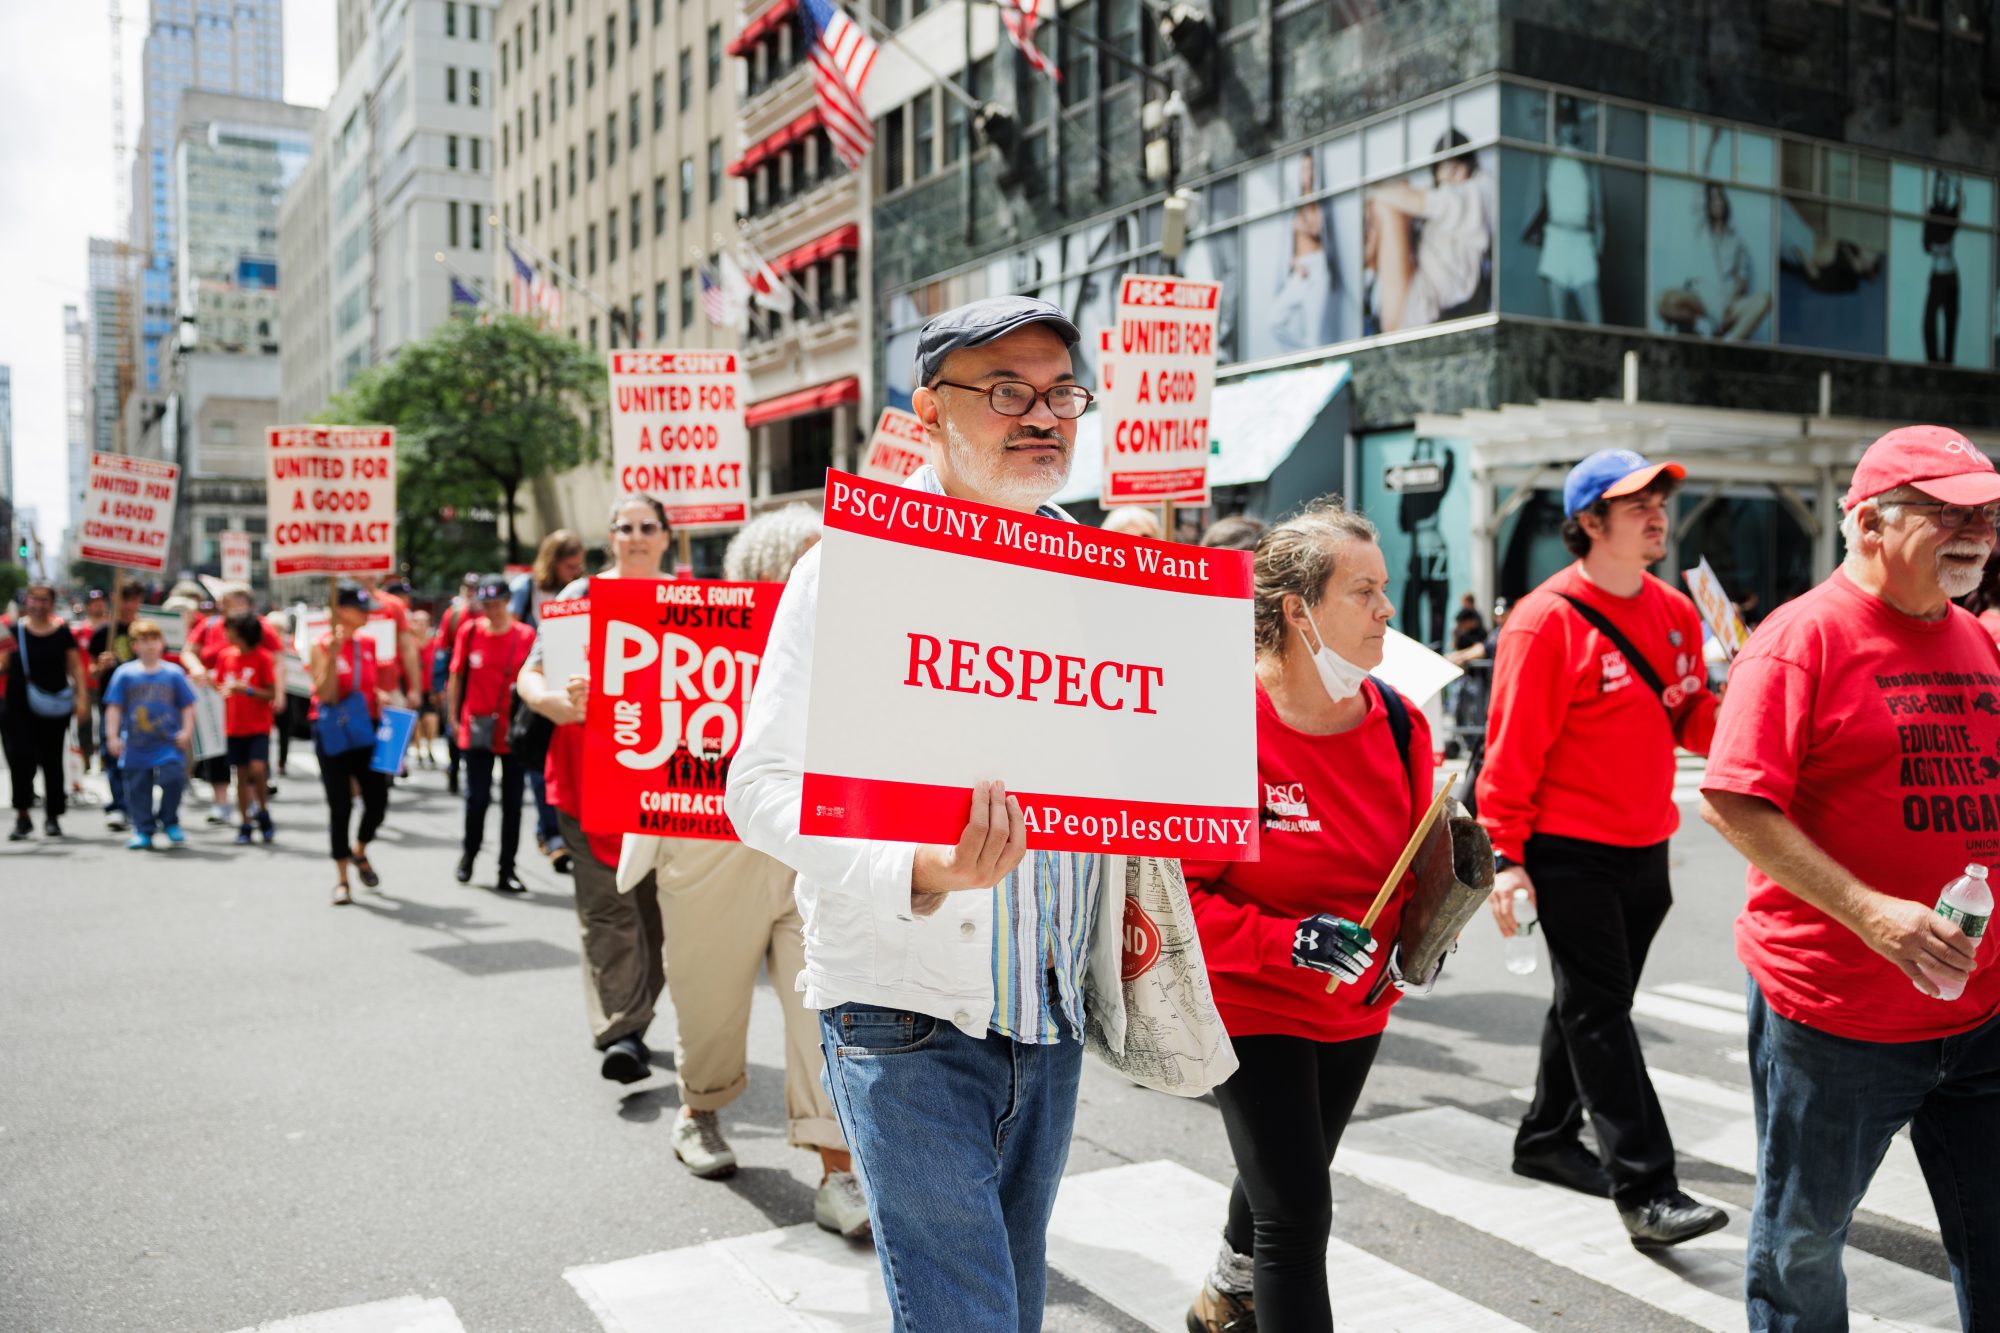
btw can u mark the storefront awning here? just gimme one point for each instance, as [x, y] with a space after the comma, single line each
[757, 29]
[820, 247]
[1254, 424]
[776, 142]
[801, 401]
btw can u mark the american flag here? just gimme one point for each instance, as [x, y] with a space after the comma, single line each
[1019, 17]
[714, 303]
[842, 58]
[532, 293]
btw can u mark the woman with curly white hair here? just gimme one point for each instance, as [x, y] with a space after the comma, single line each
[726, 910]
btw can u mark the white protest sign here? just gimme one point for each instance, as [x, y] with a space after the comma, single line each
[331, 500]
[1107, 678]
[235, 557]
[677, 433]
[1717, 611]
[1418, 673]
[128, 512]
[1156, 406]
[380, 631]
[211, 717]
[898, 448]
[565, 630]
[309, 623]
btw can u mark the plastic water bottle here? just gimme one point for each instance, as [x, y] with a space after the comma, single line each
[1969, 902]
[1521, 952]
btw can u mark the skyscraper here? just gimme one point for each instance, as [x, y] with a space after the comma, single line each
[9, 496]
[76, 405]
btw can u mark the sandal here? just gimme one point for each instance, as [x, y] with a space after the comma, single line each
[341, 896]
[366, 871]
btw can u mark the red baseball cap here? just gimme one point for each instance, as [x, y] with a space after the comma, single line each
[1940, 462]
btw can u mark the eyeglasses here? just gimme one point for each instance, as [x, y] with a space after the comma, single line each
[641, 529]
[1953, 517]
[1016, 398]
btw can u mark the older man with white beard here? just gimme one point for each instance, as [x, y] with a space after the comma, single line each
[1857, 765]
[954, 1073]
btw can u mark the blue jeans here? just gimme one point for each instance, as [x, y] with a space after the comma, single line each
[960, 1144]
[171, 779]
[1826, 1109]
[113, 777]
[546, 827]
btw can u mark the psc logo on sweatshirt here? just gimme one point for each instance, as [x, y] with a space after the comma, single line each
[1286, 809]
[1616, 673]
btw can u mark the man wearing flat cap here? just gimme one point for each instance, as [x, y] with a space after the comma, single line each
[1857, 766]
[949, 980]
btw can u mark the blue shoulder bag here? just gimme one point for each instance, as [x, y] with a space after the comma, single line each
[346, 725]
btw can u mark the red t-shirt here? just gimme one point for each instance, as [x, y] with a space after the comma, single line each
[358, 655]
[1990, 621]
[1336, 813]
[1576, 743]
[206, 641]
[488, 663]
[1879, 736]
[255, 667]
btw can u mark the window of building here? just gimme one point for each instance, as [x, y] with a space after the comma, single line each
[472, 87]
[892, 150]
[590, 156]
[450, 19]
[611, 43]
[659, 205]
[659, 310]
[535, 113]
[593, 333]
[569, 81]
[611, 140]
[1080, 57]
[687, 188]
[659, 102]
[552, 101]
[590, 62]
[472, 22]
[1122, 32]
[503, 64]
[714, 55]
[450, 84]
[552, 15]
[572, 254]
[632, 27]
[472, 145]
[590, 247]
[714, 170]
[572, 171]
[451, 149]
[611, 237]
[472, 223]
[451, 225]
[538, 200]
[521, 126]
[922, 135]
[632, 120]
[632, 212]
[687, 77]
[687, 298]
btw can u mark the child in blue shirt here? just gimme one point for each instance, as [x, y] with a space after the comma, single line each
[148, 718]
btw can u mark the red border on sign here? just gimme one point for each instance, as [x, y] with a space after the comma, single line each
[122, 558]
[900, 514]
[340, 564]
[1137, 487]
[837, 807]
[682, 516]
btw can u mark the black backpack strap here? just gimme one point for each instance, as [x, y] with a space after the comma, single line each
[1633, 657]
[1399, 716]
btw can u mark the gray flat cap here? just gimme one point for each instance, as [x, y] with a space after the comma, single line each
[977, 323]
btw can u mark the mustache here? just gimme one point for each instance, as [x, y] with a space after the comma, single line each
[1966, 548]
[1038, 436]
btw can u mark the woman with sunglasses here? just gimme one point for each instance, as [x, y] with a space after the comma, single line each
[623, 967]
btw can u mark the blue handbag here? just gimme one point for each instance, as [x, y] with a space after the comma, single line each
[345, 726]
[41, 702]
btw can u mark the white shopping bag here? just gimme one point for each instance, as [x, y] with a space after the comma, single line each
[211, 724]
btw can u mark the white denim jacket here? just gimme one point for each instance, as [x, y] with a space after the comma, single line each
[863, 942]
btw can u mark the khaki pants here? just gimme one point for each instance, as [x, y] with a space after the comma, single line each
[623, 971]
[725, 909]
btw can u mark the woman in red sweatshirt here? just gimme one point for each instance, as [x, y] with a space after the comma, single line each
[1340, 799]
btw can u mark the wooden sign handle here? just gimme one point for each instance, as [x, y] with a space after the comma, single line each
[1402, 864]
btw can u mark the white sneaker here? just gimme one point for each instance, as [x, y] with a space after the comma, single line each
[838, 1206]
[698, 1142]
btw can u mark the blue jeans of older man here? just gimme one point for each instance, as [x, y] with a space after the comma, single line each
[1826, 1109]
[960, 1144]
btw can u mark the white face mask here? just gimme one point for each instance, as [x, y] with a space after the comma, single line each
[1341, 677]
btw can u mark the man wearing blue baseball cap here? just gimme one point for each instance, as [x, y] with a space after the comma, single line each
[1596, 677]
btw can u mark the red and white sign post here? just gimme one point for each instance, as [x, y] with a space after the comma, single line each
[672, 664]
[331, 500]
[677, 433]
[128, 512]
[1156, 404]
[235, 547]
[898, 448]
[1104, 678]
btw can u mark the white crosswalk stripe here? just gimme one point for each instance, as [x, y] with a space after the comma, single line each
[792, 1280]
[1454, 1163]
[405, 1314]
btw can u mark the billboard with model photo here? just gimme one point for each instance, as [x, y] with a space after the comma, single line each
[1572, 237]
[1302, 268]
[1711, 260]
[1427, 241]
[1938, 311]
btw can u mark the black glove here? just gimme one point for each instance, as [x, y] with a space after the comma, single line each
[1407, 985]
[1334, 945]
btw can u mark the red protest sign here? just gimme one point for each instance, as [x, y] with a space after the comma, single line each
[330, 500]
[672, 664]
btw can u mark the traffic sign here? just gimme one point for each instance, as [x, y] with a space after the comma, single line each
[1419, 478]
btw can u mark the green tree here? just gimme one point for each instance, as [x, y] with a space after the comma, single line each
[480, 410]
[13, 578]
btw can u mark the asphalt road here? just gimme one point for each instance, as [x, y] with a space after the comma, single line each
[224, 1102]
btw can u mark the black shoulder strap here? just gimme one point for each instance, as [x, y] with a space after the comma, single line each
[1633, 657]
[1399, 715]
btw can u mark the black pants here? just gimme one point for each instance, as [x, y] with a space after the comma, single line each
[479, 795]
[1600, 907]
[33, 743]
[1941, 318]
[1285, 1108]
[339, 774]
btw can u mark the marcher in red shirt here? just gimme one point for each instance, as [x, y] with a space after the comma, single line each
[1857, 766]
[1340, 799]
[489, 654]
[623, 964]
[1577, 793]
[247, 676]
[342, 666]
[206, 639]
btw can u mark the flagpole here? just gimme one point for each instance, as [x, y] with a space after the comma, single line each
[470, 283]
[515, 240]
[951, 86]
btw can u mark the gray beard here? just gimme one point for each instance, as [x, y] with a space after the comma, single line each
[1958, 583]
[985, 475]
